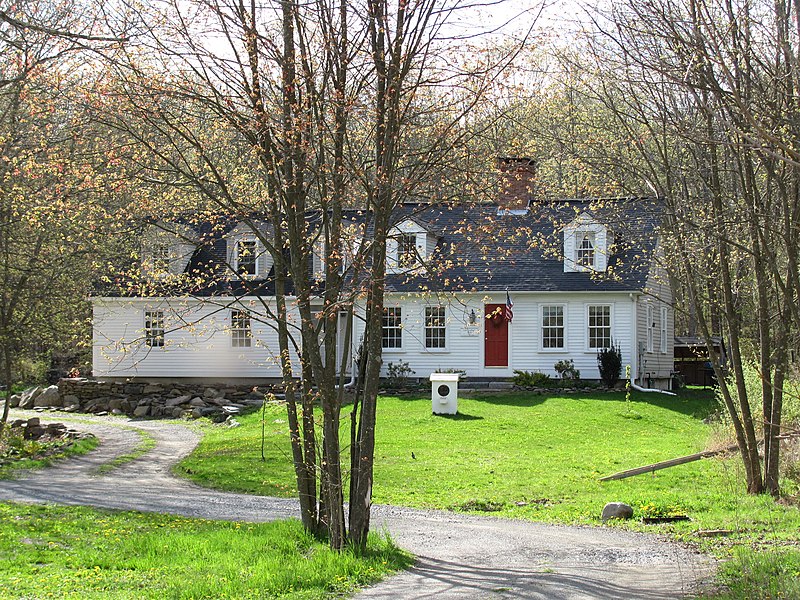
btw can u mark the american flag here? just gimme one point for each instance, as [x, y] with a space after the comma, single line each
[509, 313]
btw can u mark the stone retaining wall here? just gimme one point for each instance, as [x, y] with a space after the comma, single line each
[137, 399]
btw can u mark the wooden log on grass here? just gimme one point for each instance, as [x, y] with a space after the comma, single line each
[666, 464]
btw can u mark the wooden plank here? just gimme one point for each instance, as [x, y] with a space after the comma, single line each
[666, 464]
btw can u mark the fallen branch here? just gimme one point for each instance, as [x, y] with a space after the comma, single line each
[682, 460]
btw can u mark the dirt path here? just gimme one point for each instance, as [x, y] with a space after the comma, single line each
[458, 556]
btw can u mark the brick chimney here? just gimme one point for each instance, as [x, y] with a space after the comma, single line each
[517, 182]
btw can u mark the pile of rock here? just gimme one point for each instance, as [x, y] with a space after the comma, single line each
[37, 397]
[32, 429]
[138, 399]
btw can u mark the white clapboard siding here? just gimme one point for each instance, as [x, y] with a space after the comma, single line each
[263, 262]
[197, 341]
[658, 294]
[465, 343]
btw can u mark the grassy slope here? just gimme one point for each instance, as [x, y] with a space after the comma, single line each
[547, 452]
[69, 552]
[540, 457]
[11, 469]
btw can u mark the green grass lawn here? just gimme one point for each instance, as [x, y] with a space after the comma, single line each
[538, 457]
[530, 456]
[69, 552]
[29, 454]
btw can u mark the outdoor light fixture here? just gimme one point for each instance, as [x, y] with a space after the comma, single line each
[473, 318]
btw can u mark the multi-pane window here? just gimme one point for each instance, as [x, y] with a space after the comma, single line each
[392, 332]
[407, 250]
[552, 327]
[246, 257]
[160, 258]
[241, 334]
[599, 326]
[154, 328]
[663, 339]
[435, 329]
[651, 327]
[585, 256]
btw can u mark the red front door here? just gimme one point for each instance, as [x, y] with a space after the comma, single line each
[495, 336]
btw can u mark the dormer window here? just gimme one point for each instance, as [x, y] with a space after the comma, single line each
[167, 249]
[246, 255]
[586, 245]
[409, 246]
[159, 259]
[585, 257]
[246, 258]
[407, 251]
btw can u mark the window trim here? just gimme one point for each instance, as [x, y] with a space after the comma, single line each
[256, 252]
[610, 306]
[241, 334]
[152, 333]
[557, 350]
[663, 342]
[443, 327]
[650, 328]
[403, 251]
[590, 236]
[399, 327]
[160, 258]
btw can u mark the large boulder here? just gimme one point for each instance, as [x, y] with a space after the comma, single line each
[13, 401]
[28, 397]
[616, 510]
[48, 397]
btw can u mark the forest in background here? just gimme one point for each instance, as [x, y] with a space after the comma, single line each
[111, 116]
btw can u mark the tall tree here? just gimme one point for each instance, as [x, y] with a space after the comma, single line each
[707, 93]
[294, 112]
[51, 179]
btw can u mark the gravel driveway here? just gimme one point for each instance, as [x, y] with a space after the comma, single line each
[457, 556]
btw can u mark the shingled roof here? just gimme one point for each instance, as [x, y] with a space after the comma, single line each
[482, 248]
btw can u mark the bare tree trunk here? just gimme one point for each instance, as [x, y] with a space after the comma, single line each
[303, 444]
[364, 444]
[7, 381]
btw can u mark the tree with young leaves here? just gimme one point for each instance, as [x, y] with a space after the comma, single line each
[707, 95]
[52, 180]
[280, 116]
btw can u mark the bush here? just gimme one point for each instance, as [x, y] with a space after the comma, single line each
[462, 374]
[398, 373]
[527, 379]
[566, 370]
[29, 371]
[609, 362]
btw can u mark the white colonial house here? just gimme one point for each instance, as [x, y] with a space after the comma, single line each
[581, 275]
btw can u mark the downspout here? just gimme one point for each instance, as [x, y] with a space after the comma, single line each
[353, 366]
[634, 296]
[641, 389]
[353, 369]
[635, 354]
